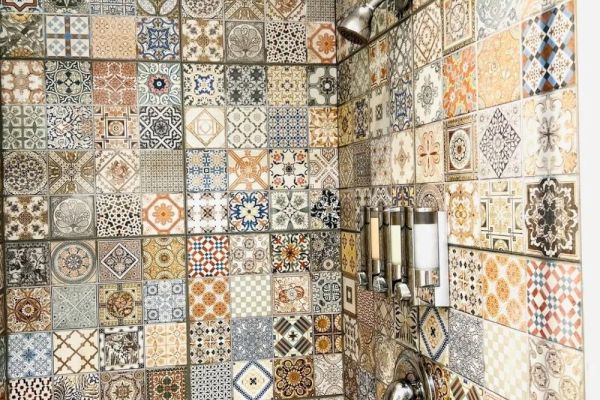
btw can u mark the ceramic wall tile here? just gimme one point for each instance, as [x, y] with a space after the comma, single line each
[458, 23]
[245, 41]
[466, 346]
[493, 19]
[27, 35]
[429, 153]
[113, 355]
[501, 208]
[427, 28]
[255, 287]
[105, 30]
[460, 86]
[428, 94]
[69, 36]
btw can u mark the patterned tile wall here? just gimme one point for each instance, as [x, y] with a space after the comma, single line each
[171, 199]
[468, 106]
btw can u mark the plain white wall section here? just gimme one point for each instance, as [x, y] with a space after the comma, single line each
[588, 56]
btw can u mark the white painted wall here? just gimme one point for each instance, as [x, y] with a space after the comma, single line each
[587, 19]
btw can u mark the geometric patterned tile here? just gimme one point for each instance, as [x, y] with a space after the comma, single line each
[23, 127]
[164, 258]
[252, 338]
[169, 383]
[206, 170]
[250, 295]
[25, 173]
[68, 36]
[71, 172]
[130, 384]
[554, 295]
[202, 40]
[428, 34]
[466, 340]
[290, 252]
[74, 306]
[29, 354]
[163, 214]
[165, 345]
[120, 304]
[28, 309]
[158, 38]
[116, 127]
[327, 292]
[119, 260]
[207, 212]
[75, 351]
[73, 262]
[23, 34]
[249, 254]
[117, 171]
[30, 388]
[25, 217]
[253, 380]
[465, 267]
[164, 301]
[328, 374]
[159, 84]
[293, 336]
[211, 381]
[458, 23]
[114, 38]
[209, 299]
[291, 294]
[31, 74]
[433, 328]
[118, 215]
[160, 127]
[205, 127]
[208, 256]
[210, 341]
[506, 356]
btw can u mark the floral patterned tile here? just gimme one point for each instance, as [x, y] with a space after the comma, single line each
[170, 383]
[245, 41]
[322, 85]
[26, 217]
[73, 262]
[114, 83]
[210, 341]
[328, 333]
[164, 258]
[460, 88]
[163, 214]
[325, 211]
[288, 168]
[202, 40]
[158, 38]
[114, 38]
[120, 304]
[458, 23]
[27, 35]
[247, 169]
[428, 94]
[494, 19]
[132, 383]
[321, 43]
[289, 210]
[463, 203]
[209, 299]
[250, 254]
[119, 260]
[252, 338]
[253, 380]
[71, 172]
[165, 345]
[327, 292]
[428, 34]
[24, 127]
[290, 252]
[164, 301]
[325, 251]
[460, 148]
[159, 84]
[23, 82]
[29, 355]
[247, 127]
[203, 84]
[28, 309]
[291, 294]
[429, 152]
[207, 212]
[156, 7]
[249, 211]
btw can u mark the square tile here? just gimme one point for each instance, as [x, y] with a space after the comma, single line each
[207, 212]
[25, 172]
[506, 361]
[29, 355]
[406, 325]
[461, 387]
[210, 10]
[402, 100]
[323, 126]
[428, 34]
[501, 204]
[325, 209]
[203, 85]
[249, 254]
[58, 6]
[378, 61]
[74, 307]
[121, 348]
[70, 127]
[160, 127]
[69, 35]
[322, 85]
[428, 94]
[433, 337]
[249, 211]
[246, 85]
[327, 292]
[114, 38]
[466, 340]
[289, 169]
[554, 298]
[247, 169]
[253, 380]
[250, 296]
[209, 299]
[114, 83]
[68, 82]
[401, 51]
[27, 264]
[325, 251]
[328, 333]
[287, 85]
[494, 19]
[289, 211]
[118, 215]
[288, 127]
[295, 10]
[245, 41]
[323, 168]
[158, 38]
[211, 382]
[350, 328]
[120, 304]
[550, 134]
[117, 171]
[402, 157]
[75, 351]
[290, 252]
[500, 142]
[210, 341]
[460, 148]
[167, 383]
[319, 10]
[285, 42]
[552, 237]
[161, 170]
[159, 84]
[120, 7]
[247, 127]
[321, 43]
[116, 127]
[27, 34]
[31, 73]
[205, 127]
[28, 309]
[164, 301]
[164, 258]
[495, 59]
[165, 345]
[379, 110]
[293, 336]
[460, 88]
[466, 280]
[458, 23]
[429, 151]
[37, 388]
[245, 10]
[71, 172]
[163, 214]
[286, 387]
[74, 262]
[119, 260]
[362, 119]
[24, 127]
[328, 374]
[291, 294]
[548, 46]
[202, 40]
[115, 383]
[206, 170]
[208, 256]
[545, 379]
[252, 338]
[349, 295]
[464, 227]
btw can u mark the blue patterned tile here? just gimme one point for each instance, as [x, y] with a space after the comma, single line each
[249, 211]
[157, 38]
[252, 338]
[206, 170]
[164, 301]
[30, 354]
